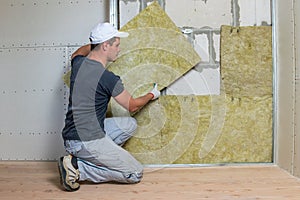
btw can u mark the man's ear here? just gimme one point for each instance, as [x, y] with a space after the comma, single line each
[105, 46]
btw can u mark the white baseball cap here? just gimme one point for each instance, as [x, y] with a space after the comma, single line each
[105, 31]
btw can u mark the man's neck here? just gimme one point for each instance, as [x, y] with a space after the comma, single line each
[95, 56]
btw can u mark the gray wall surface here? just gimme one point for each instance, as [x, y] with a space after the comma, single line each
[37, 39]
[287, 107]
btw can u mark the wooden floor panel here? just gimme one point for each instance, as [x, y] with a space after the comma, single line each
[40, 180]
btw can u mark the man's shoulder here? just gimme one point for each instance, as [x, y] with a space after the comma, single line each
[110, 75]
[77, 59]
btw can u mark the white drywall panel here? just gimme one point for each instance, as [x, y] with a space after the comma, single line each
[201, 46]
[30, 23]
[31, 69]
[255, 12]
[216, 43]
[206, 82]
[31, 146]
[199, 13]
[32, 102]
[247, 14]
[263, 12]
[128, 10]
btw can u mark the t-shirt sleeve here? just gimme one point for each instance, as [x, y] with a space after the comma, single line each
[118, 89]
[111, 84]
[77, 60]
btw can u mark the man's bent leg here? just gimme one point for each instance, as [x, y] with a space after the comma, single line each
[120, 129]
[102, 161]
[99, 174]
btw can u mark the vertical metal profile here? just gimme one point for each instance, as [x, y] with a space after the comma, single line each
[275, 83]
[296, 167]
[114, 16]
[143, 5]
[285, 83]
[275, 86]
[162, 3]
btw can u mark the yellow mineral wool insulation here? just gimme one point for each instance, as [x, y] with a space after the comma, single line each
[152, 16]
[66, 78]
[155, 52]
[176, 129]
[246, 134]
[233, 127]
[166, 129]
[246, 60]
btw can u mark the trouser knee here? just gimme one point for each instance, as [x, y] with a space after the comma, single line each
[132, 124]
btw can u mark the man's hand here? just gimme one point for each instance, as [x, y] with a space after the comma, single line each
[155, 92]
[134, 104]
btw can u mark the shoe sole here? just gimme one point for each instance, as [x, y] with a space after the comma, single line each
[63, 174]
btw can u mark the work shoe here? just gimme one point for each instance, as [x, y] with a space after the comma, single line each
[68, 174]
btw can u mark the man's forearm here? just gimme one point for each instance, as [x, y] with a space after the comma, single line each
[137, 103]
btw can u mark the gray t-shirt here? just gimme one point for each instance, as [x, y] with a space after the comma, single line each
[91, 87]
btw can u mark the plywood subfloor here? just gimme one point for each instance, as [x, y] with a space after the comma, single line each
[39, 180]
